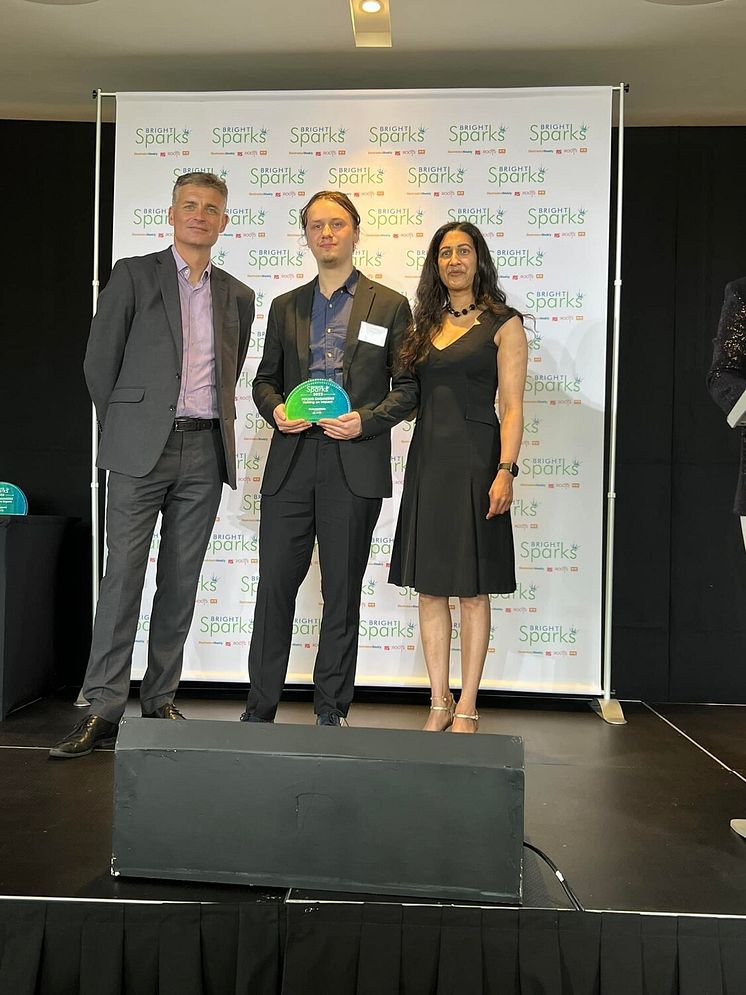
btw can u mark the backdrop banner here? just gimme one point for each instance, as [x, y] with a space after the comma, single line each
[531, 168]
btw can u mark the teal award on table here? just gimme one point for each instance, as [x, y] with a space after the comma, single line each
[318, 398]
[12, 500]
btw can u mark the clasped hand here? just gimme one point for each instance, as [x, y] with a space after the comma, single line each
[347, 426]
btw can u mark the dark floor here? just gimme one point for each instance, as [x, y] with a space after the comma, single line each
[635, 816]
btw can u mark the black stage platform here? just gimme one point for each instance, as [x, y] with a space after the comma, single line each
[636, 817]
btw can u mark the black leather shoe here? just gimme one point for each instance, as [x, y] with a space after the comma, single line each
[167, 711]
[250, 717]
[92, 731]
[330, 719]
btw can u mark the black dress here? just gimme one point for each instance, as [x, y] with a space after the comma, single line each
[444, 544]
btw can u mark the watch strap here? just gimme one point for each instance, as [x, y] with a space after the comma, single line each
[512, 468]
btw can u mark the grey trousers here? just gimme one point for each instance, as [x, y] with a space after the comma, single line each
[185, 487]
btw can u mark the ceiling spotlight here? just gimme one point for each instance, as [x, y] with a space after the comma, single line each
[371, 23]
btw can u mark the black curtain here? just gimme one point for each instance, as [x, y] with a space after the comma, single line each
[109, 948]
[680, 566]
[45, 303]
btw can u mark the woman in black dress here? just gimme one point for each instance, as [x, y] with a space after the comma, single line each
[453, 537]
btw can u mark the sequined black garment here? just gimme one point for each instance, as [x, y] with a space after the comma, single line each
[726, 379]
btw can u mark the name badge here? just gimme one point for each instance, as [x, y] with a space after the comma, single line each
[374, 334]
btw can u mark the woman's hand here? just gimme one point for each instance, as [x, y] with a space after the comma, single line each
[501, 494]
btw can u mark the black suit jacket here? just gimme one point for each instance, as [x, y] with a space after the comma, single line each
[133, 361]
[381, 396]
[727, 376]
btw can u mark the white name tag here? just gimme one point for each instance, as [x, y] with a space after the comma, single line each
[375, 334]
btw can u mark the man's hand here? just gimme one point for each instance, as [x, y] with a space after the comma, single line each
[347, 426]
[501, 494]
[288, 426]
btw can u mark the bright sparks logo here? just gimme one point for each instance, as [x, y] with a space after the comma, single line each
[558, 133]
[232, 136]
[541, 636]
[464, 135]
[483, 217]
[313, 136]
[513, 178]
[552, 384]
[162, 138]
[266, 177]
[386, 218]
[556, 217]
[550, 468]
[507, 260]
[240, 218]
[543, 302]
[274, 259]
[396, 135]
[426, 177]
[355, 176]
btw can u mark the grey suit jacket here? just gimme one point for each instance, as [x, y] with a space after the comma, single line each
[133, 361]
[726, 378]
[382, 396]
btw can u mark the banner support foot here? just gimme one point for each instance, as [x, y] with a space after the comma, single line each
[609, 710]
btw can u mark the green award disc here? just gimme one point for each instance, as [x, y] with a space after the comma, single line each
[314, 399]
[12, 500]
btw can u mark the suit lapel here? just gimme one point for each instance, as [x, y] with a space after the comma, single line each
[219, 294]
[303, 305]
[168, 278]
[361, 305]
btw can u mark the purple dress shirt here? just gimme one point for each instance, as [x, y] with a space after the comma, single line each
[198, 397]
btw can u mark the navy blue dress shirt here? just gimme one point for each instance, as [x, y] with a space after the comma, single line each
[329, 320]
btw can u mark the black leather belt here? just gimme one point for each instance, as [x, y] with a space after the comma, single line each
[195, 424]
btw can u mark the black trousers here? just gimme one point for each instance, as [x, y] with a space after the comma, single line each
[313, 502]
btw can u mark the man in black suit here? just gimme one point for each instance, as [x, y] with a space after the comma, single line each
[726, 378]
[166, 348]
[325, 481]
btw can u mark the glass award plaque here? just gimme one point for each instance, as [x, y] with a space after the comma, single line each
[12, 500]
[314, 399]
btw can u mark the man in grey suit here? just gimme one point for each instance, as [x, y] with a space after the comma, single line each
[166, 348]
[325, 481]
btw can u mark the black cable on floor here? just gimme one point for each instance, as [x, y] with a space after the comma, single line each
[558, 874]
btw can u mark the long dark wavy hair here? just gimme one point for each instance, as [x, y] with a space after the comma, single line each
[432, 295]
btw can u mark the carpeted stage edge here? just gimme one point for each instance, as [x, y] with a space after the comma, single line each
[118, 948]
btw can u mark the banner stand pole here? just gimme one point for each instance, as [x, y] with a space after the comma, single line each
[95, 525]
[608, 708]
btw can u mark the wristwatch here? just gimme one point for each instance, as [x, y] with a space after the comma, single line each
[512, 468]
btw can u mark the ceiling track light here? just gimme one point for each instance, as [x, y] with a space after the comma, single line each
[685, 3]
[63, 3]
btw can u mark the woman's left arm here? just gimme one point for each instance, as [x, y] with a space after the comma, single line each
[512, 360]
